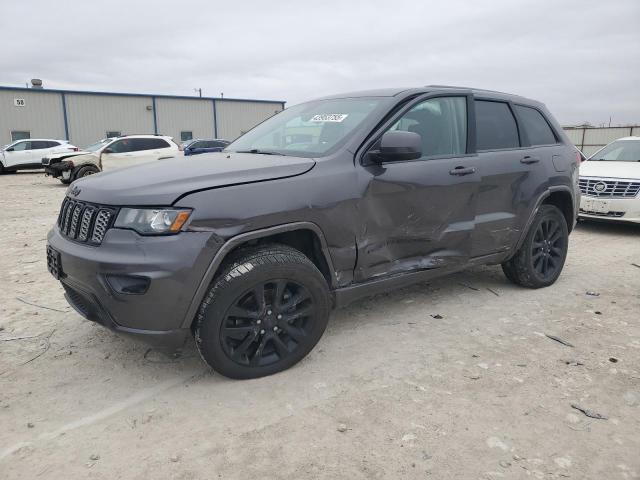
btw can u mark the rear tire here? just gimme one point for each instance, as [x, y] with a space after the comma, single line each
[539, 261]
[264, 312]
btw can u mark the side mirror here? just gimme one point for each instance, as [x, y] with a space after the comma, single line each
[397, 145]
[10, 149]
[107, 150]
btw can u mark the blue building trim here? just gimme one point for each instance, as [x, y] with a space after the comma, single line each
[147, 95]
[215, 120]
[155, 115]
[64, 116]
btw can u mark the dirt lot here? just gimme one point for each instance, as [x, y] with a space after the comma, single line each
[451, 379]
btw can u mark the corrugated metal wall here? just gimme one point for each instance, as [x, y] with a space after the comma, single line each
[91, 116]
[41, 115]
[236, 118]
[180, 115]
[590, 140]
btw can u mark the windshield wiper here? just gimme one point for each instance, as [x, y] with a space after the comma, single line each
[260, 152]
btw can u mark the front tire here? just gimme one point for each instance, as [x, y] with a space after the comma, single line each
[264, 313]
[85, 171]
[539, 261]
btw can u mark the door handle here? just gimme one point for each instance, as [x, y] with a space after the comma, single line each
[529, 160]
[462, 171]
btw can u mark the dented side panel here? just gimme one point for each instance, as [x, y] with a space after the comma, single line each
[415, 215]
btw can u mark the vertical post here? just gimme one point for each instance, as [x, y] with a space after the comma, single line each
[155, 117]
[215, 119]
[584, 129]
[64, 115]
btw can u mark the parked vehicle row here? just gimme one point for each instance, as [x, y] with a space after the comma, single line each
[67, 162]
[109, 154]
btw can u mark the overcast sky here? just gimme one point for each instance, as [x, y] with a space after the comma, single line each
[580, 57]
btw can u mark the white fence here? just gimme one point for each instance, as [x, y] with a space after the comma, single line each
[592, 139]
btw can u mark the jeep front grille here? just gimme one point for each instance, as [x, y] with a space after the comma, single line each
[85, 222]
[605, 187]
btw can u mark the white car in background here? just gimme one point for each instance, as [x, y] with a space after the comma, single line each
[610, 182]
[110, 154]
[27, 154]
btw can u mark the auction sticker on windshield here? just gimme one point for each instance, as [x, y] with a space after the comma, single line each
[329, 117]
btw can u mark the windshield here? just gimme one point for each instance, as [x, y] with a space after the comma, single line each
[96, 146]
[619, 151]
[308, 130]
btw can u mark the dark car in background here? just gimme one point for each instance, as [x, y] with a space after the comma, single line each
[323, 203]
[196, 147]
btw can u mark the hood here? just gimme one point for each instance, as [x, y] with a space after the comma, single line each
[162, 182]
[63, 155]
[602, 168]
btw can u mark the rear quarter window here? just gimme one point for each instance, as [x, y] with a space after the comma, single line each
[535, 126]
[496, 126]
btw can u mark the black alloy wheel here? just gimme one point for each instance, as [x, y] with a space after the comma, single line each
[264, 312]
[268, 323]
[547, 248]
[540, 259]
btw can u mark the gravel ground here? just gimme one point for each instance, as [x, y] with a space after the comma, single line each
[455, 378]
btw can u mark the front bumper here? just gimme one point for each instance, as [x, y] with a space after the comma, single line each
[174, 266]
[58, 169]
[614, 209]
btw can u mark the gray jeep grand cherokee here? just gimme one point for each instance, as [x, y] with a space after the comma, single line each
[326, 202]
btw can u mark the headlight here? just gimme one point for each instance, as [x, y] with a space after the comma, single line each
[152, 221]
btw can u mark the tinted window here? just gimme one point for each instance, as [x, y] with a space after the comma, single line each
[220, 144]
[441, 123]
[51, 144]
[535, 126]
[158, 143]
[495, 126]
[39, 145]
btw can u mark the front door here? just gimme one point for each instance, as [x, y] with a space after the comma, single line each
[125, 152]
[19, 154]
[419, 214]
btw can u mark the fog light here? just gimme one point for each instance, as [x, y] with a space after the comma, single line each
[128, 284]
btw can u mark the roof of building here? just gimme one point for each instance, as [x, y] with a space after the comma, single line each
[124, 94]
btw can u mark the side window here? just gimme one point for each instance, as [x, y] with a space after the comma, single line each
[495, 126]
[20, 135]
[184, 136]
[536, 127]
[122, 146]
[219, 144]
[39, 145]
[157, 143]
[52, 144]
[441, 123]
[19, 147]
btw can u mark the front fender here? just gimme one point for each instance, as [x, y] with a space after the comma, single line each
[240, 239]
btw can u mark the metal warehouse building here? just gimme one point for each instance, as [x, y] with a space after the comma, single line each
[85, 117]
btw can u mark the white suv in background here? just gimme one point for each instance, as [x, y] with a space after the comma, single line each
[110, 154]
[610, 182]
[27, 154]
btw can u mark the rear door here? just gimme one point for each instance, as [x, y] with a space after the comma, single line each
[506, 184]
[419, 214]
